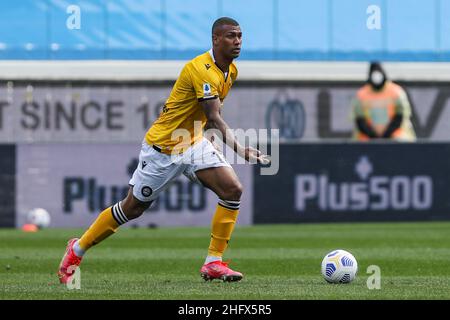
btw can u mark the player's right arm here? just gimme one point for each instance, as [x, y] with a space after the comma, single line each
[211, 109]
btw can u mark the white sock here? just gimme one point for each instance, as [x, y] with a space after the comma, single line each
[77, 249]
[212, 259]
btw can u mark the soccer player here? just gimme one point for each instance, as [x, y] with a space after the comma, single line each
[173, 145]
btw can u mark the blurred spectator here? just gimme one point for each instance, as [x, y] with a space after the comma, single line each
[381, 109]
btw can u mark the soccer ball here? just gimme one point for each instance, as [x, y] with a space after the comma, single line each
[39, 217]
[339, 266]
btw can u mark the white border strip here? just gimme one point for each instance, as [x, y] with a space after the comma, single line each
[121, 70]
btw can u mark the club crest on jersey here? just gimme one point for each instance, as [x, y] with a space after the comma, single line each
[207, 65]
[206, 89]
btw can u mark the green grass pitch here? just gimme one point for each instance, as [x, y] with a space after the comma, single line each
[278, 262]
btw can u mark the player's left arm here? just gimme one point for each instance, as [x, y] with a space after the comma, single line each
[214, 118]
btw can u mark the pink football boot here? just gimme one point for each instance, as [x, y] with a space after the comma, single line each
[219, 270]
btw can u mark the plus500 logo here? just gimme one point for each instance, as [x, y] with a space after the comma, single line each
[375, 193]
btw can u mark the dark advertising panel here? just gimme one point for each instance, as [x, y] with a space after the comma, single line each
[356, 182]
[7, 185]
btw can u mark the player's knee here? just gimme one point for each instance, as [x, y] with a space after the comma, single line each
[234, 192]
[134, 208]
[133, 213]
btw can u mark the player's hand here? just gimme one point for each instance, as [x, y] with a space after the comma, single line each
[253, 155]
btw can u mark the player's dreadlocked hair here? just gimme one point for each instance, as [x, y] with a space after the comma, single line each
[223, 21]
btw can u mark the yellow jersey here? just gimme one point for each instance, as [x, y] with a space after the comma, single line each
[201, 79]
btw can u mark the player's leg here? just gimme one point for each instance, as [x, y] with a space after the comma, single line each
[109, 221]
[224, 182]
[209, 167]
[105, 225]
[152, 176]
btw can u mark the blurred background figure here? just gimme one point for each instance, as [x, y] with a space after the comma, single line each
[381, 109]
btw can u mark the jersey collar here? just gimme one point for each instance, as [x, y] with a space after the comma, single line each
[211, 53]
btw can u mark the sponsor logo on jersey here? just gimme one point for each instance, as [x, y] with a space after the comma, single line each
[206, 90]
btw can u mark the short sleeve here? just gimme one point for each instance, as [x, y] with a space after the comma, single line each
[204, 85]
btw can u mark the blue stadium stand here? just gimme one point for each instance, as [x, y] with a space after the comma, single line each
[321, 30]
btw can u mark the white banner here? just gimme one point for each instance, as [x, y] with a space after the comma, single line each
[122, 113]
